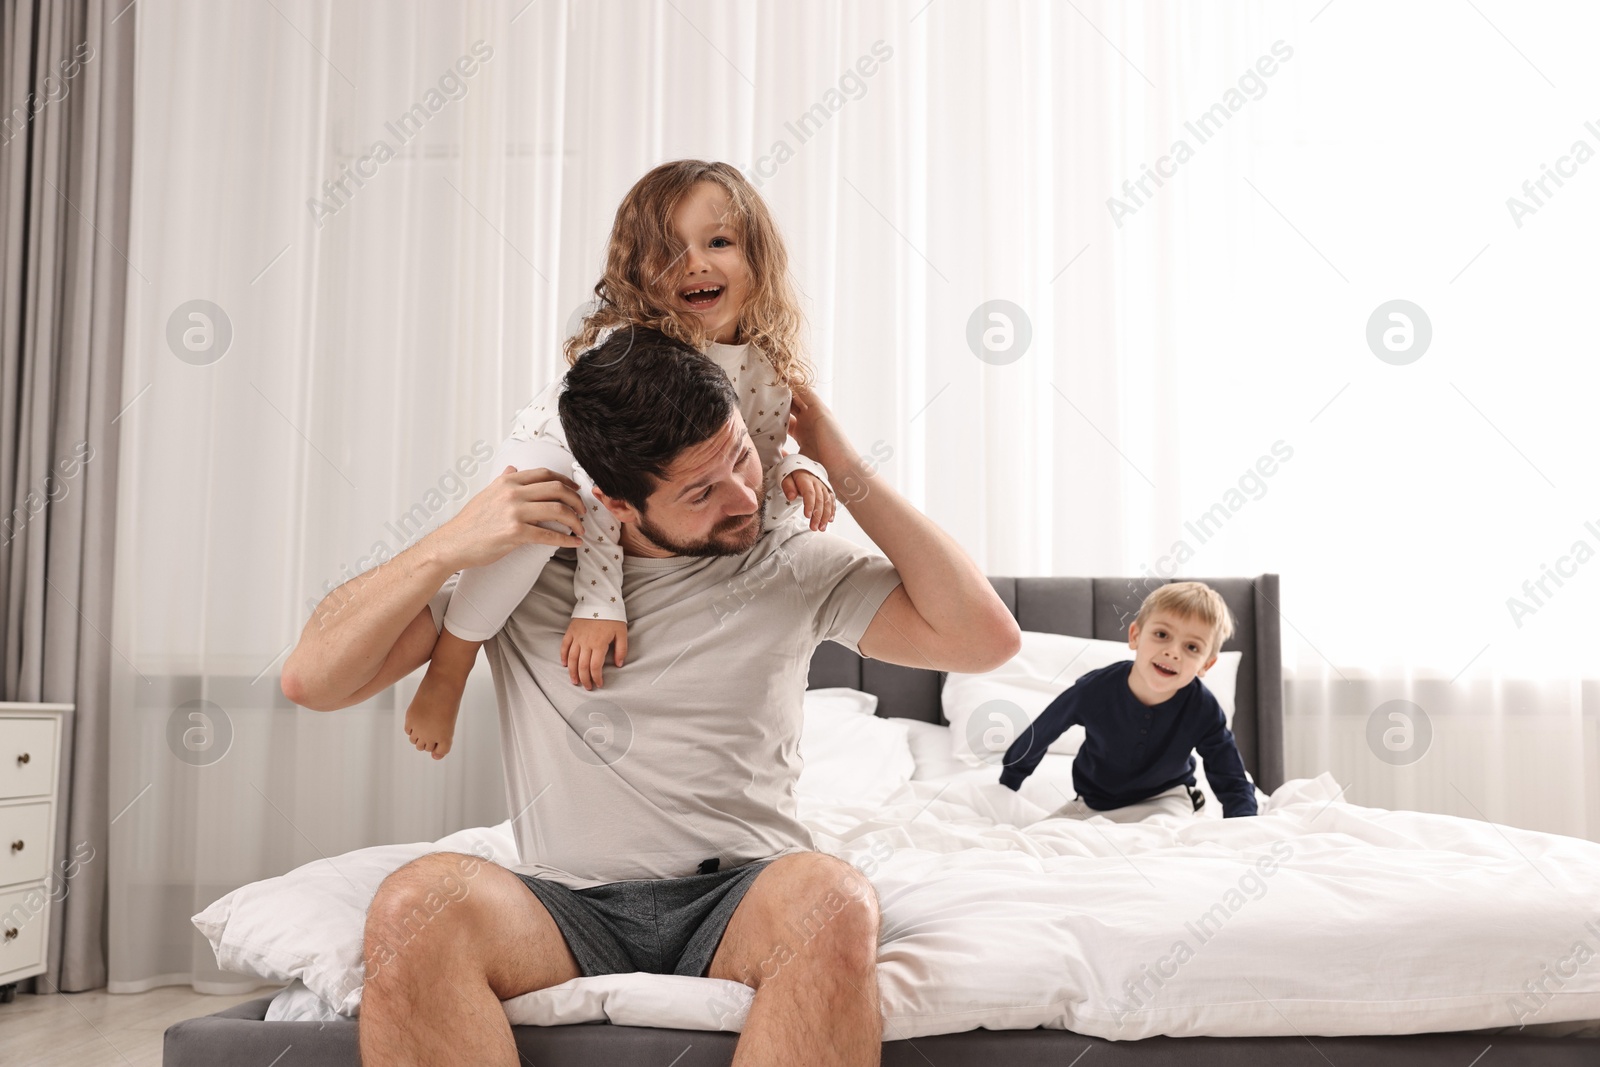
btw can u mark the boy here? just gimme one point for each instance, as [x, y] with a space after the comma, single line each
[1143, 719]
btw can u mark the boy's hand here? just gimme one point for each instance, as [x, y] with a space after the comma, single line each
[583, 649]
[819, 499]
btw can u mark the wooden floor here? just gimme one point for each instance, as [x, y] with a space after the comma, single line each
[100, 1029]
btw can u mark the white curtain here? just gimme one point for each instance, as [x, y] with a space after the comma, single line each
[1198, 355]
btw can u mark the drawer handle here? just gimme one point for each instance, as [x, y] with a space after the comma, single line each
[22, 759]
[16, 846]
[11, 931]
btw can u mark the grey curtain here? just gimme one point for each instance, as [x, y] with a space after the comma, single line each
[66, 87]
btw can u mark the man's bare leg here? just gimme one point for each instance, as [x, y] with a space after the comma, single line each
[448, 937]
[805, 936]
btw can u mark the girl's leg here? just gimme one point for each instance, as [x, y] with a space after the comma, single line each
[483, 599]
[431, 717]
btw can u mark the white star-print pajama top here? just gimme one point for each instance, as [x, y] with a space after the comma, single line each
[485, 596]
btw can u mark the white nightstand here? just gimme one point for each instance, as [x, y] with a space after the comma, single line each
[30, 752]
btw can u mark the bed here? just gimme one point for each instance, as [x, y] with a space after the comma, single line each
[951, 817]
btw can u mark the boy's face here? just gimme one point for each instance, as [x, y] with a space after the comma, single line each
[712, 278]
[1170, 652]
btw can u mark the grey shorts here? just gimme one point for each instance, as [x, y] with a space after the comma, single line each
[658, 925]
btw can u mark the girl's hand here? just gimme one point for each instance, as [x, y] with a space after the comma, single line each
[583, 649]
[814, 425]
[819, 500]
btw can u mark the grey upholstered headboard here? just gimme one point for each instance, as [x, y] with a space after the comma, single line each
[1102, 608]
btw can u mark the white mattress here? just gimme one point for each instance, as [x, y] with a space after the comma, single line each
[1367, 922]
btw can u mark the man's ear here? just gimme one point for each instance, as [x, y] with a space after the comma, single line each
[1133, 636]
[1212, 662]
[624, 511]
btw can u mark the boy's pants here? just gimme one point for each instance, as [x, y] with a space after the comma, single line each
[1175, 801]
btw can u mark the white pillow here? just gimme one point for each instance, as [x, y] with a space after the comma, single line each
[295, 1003]
[1016, 693]
[852, 757]
[308, 924]
[1223, 679]
[843, 698]
[930, 748]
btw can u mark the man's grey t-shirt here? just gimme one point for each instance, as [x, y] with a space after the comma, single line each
[691, 750]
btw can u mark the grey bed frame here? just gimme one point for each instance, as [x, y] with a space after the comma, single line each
[1083, 607]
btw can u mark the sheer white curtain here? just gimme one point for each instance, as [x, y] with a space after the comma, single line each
[1421, 496]
[923, 160]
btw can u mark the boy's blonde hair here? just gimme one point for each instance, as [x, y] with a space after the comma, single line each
[638, 286]
[1193, 600]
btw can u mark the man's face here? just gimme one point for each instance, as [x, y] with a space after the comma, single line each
[709, 503]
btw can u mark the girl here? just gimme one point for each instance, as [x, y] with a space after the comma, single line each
[695, 254]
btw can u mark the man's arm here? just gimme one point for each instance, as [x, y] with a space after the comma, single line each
[376, 628]
[945, 615]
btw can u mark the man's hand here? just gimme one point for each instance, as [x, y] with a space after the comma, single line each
[531, 507]
[583, 649]
[376, 628]
[819, 500]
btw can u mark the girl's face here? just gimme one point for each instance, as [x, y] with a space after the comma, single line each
[711, 279]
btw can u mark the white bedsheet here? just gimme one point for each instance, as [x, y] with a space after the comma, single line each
[1367, 922]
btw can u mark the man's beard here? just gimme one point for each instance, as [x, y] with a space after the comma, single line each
[730, 538]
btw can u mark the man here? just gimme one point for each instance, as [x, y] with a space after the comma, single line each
[655, 818]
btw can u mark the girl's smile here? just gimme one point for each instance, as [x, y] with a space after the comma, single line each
[716, 276]
[703, 296]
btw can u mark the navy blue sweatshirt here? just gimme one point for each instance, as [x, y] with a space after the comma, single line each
[1132, 752]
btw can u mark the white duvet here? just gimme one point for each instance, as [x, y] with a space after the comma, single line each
[1317, 917]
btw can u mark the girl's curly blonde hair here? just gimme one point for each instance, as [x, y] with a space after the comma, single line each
[639, 284]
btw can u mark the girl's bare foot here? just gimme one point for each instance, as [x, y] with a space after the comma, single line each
[431, 718]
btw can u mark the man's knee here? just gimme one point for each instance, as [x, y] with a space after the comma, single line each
[827, 907]
[420, 910]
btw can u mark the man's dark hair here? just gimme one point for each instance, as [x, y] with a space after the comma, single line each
[636, 400]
